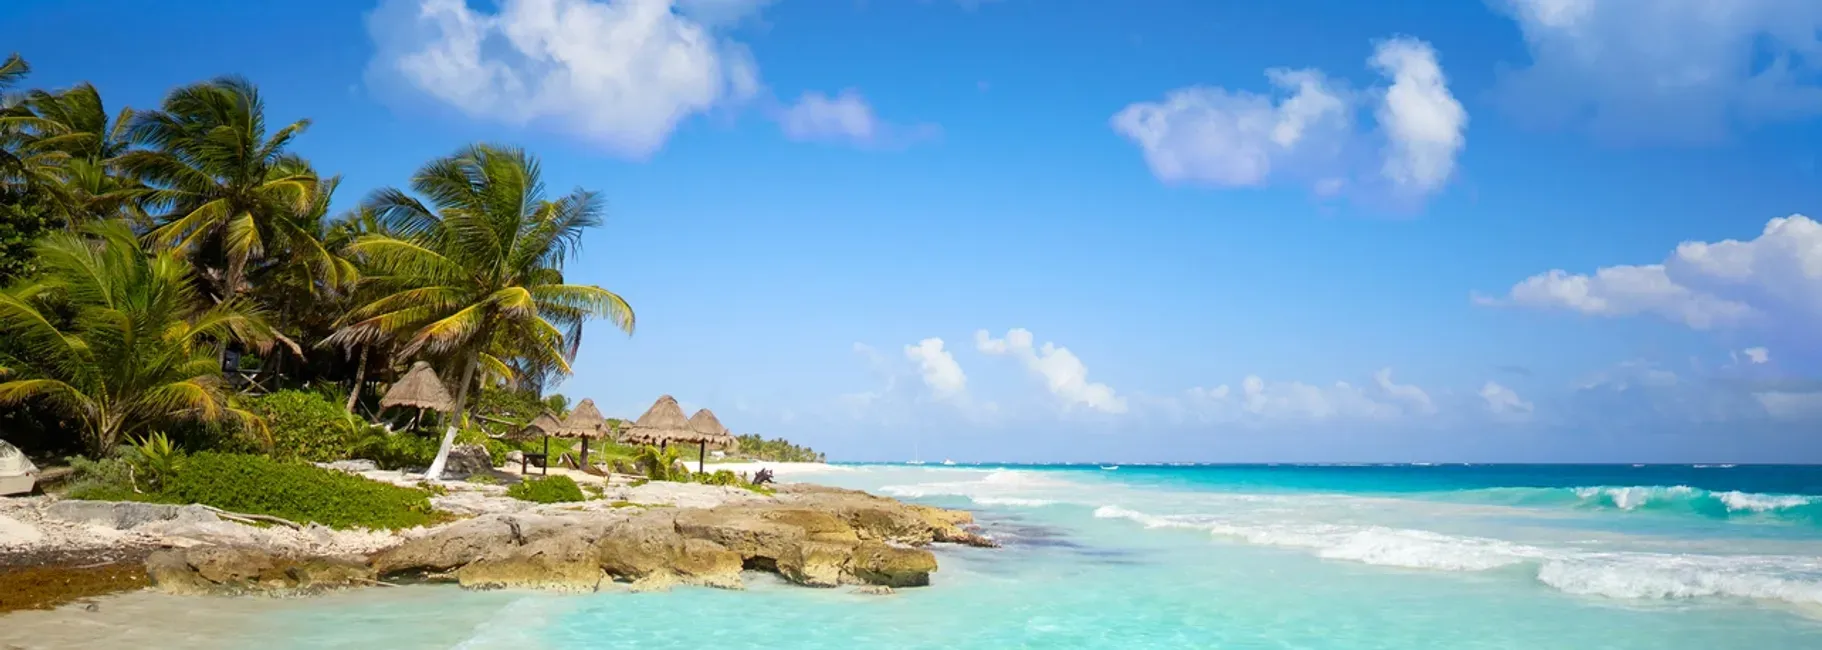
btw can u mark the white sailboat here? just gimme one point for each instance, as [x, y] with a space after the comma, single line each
[948, 462]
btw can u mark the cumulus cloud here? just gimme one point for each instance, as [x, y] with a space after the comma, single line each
[1425, 125]
[847, 118]
[1504, 401]
[619, 73]
[1063, 374]
[1773, 281]
[1676, 70]
[1410, 394]
[1757, 355]
[1258, 400]
[1304, 129]
[940, 371]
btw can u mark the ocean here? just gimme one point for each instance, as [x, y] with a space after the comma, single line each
[1291, 557]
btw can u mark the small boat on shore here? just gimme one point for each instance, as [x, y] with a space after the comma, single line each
[17, 474]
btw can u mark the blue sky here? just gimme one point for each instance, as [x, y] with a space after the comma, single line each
[1080, 230]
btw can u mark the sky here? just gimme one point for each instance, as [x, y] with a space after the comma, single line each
[1076, 230]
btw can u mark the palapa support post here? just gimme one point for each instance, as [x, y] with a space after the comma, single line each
[702, 453]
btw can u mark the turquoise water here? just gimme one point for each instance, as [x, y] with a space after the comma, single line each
[1312, 558]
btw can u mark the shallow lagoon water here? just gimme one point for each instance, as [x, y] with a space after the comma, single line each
[1306, 558]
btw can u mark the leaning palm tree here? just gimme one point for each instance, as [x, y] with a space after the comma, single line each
[75, 126]
[474, 272]
[228, 191]
[133, 352]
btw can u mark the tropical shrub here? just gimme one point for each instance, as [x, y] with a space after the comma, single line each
[296, 491]
[306, 425]
[660, 464]
[138, 346]
[401, 450]
[777, 450]
[549, 489]
[107, 479]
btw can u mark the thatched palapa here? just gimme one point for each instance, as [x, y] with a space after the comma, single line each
[663, 424]
[705, 423]
[418, 389]
[583, 422]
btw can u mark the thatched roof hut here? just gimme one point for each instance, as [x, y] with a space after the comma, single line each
[418, 389]
[705, 423]
[662, 424]
[584, 421]
[545, 422]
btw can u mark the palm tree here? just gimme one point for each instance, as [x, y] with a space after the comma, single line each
[476, 274]
[230, 193]
[132, 352]
[75, 125]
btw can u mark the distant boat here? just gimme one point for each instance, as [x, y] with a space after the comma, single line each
[1110, 467]
[948, 462]
[914, 462]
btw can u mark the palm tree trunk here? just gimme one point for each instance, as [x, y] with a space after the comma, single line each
[455, 419]
[360, 377]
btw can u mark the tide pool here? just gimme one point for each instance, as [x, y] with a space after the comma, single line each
[1312, 558]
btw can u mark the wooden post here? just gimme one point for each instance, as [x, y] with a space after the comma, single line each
[546, 467]
[701, 453]
[584, 453]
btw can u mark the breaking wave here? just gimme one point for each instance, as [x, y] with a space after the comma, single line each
[1679, 499]
[1623, 575]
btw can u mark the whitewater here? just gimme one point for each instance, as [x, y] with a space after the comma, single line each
[1306, 557]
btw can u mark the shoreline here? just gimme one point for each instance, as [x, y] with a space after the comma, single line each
[55, 553]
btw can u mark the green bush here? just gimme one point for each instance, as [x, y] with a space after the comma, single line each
[399, 450]
[296, 491]
[108, 479]
[306, 425]
[550, 489]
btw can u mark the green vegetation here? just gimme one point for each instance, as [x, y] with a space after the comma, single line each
[251, 484]
[140, 252]
[549, 489]
[295, 491]
[777, 450]
[306, 425]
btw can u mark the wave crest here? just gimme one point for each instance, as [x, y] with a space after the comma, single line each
[1681, 499]
[1631, 575]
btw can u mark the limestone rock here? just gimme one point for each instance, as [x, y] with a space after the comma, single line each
[122, 515]
[817, 564]
[891, 566]
[467, 459]
[742, 531]
[230, 570]
[560, 563]
[515, 457]
[708, 564]
[458, 544]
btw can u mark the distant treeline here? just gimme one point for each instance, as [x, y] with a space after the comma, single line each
[776, 450]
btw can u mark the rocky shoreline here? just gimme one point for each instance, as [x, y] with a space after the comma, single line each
[639, 538]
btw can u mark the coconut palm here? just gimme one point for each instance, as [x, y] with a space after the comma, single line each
[74, 127]
[474, 272]
[116, 339]
[228, 191]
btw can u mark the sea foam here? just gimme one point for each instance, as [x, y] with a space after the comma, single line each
[1622, 575]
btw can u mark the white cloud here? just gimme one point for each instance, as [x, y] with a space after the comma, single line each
[1773, 281]
[1504, 401]
[1677, 70]
[1411, 394]
[1424, 123]
[940, 371]
[1214, 136]
[846, 117]
[1257, 399]
[1064, 375]
[1757, 355]
[1791, 406]
[619, 73]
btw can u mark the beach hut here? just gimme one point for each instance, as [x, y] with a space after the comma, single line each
[664, 424]
[704, 422]
[419, 389]
[545, 425]
[584, 422]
